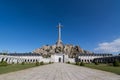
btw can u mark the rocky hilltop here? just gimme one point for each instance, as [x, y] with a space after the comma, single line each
[68, 49]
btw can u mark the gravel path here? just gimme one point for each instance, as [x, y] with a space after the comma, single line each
[60, 71]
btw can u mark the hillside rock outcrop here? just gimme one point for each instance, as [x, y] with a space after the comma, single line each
[68, 49]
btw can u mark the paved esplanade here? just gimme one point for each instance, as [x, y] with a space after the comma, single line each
[59, 71]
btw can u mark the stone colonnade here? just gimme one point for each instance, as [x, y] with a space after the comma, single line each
[89, 58]
[107, 59]
[20, 59]
[32, 58]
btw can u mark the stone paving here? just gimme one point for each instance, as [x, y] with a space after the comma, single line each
[60, 71]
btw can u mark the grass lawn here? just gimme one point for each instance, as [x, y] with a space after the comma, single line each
[104, 67]
[14, 67]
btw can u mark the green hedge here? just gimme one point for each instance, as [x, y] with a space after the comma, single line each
[96, 63]
[3, 63]
[82, 64]
[116, 63]
[42, 63]
[37, 63]
[23, 63]
[77, 63]
[68, 62]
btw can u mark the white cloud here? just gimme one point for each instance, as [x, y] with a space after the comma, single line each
[109, 47]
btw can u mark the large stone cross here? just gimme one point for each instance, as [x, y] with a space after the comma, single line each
[59, 42]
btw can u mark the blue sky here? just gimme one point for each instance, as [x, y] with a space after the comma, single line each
[29, 24]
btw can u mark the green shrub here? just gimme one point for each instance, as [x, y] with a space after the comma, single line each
[3, 63]
[68, 62]
[41, 63]
[50, 62]
[37, 63]
[77, 63]
[82, 64]
[17, 63]
[12, 62]
[96, 63]
[110, 64]
[116, 63]
[23, 63]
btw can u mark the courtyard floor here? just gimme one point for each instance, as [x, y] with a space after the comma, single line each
[60, 71]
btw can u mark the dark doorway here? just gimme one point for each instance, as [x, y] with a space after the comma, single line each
[63, 58]
[59, 59]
